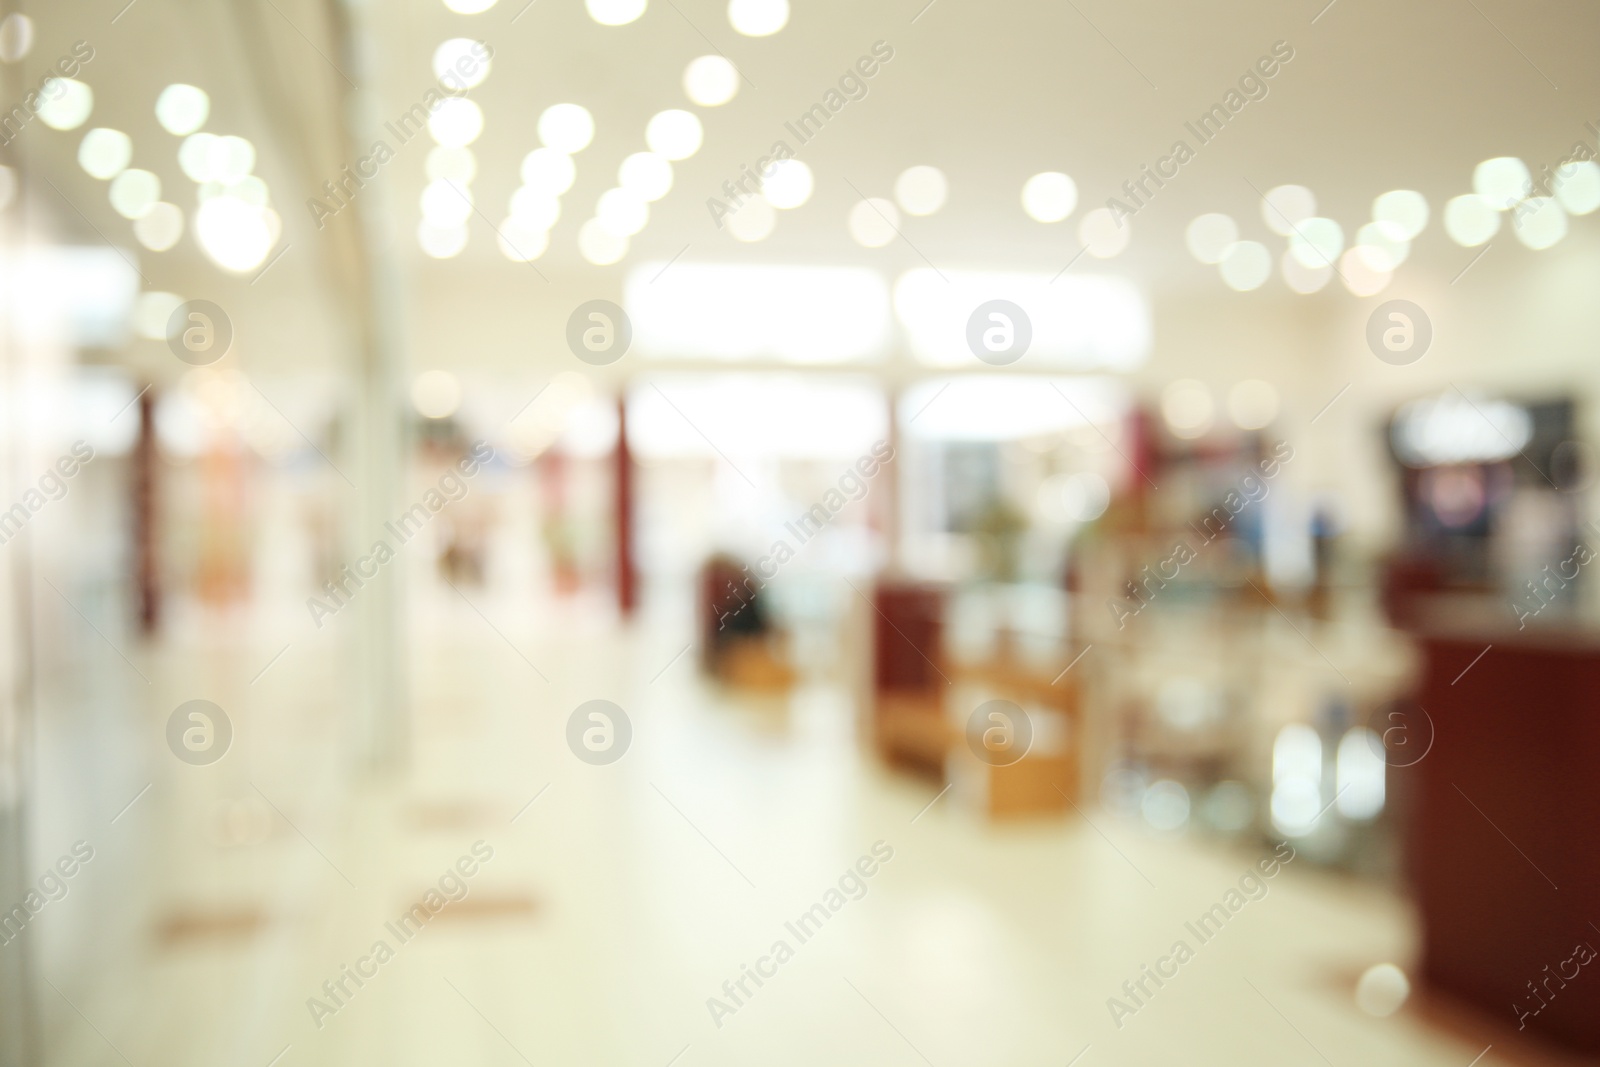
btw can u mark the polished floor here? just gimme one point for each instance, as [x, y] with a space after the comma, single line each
[620, 898]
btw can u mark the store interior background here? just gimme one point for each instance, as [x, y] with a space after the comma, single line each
[1266, 693]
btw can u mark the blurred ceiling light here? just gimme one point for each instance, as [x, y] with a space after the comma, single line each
[469, 7]
[1382, 989]
[64, 104]
[151, 311]
[746, 311]
[1049, 197]
[1380, 246]
[1013, 407]
[1360, 276]
[567, 128]
[229, 159]
[789, 185]
[1296, 806]
[674, 133]
[1301, 278]
[1448, 429]
[1102, 234]
[758, 415]
[446, 204]
[548, 170]
[1246, 265]
[921, 190]
[8, 186]
[873, 223]
[471, 55]
[441, 242]
[710, 81]
[1079, 322]
[758, 18]
[1317, 242]
[754, 220]
[160, 227]
[134, 192]
[1359, 772]
[456, 164]
[521, 242]
[274, 224]
[436, 394]
[1287, 206]
[599, 245]
[622, 212]
[236, 235]
[1165, 805]
[1470, 220]
[456, 123]
[534, 209]
[1539, 222]
[1252, 404]
[74, 294]
[1405, 209]
[194, 156]
[16, 37]
[1577, 186]
[1085, 496]
[1209, 236]
[647, 175]
[1501, 181]
[1187, 407]
[1296, 778]
[182, 109]
[250, 189]
[615, 12]
[104, 152]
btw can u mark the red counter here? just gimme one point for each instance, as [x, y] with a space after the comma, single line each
[1504, 828]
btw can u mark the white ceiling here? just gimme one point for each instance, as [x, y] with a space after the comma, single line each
[1375, 98]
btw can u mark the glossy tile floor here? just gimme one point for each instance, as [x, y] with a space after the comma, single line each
[619, 898]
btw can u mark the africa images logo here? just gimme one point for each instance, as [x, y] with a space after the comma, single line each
[851, 885]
